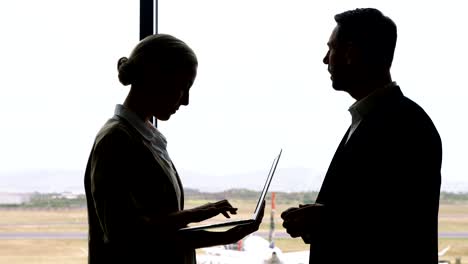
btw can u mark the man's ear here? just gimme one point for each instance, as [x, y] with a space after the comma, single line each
[351, 53]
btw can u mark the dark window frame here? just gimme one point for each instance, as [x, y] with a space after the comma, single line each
[148, 22]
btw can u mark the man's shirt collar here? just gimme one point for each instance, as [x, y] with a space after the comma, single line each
[364, 106]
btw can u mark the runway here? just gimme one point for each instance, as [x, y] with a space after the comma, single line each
[82, 235]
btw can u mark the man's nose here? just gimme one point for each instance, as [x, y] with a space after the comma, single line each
[185, 99]
[325, 59]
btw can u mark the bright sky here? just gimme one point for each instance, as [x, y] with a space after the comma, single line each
[261, 83]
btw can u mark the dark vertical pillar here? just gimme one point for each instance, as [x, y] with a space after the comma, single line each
[156, 16]
[155, 122]
[148, 22]
[146, 18]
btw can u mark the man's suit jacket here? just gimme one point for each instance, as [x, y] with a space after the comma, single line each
[125, 186]
[381, 191]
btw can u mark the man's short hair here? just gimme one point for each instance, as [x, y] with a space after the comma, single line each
[371, 31]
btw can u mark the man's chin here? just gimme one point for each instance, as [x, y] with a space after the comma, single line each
[338, 86]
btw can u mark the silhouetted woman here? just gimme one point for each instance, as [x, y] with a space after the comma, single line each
[134, 195]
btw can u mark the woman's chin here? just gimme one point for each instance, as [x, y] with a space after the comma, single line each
[164, 117]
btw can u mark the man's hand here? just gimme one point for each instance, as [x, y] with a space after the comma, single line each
[303, 220]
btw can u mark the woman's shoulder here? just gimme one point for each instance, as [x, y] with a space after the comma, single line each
[116, 129]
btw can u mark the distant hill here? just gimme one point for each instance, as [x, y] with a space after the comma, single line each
[68, 200]
[285, 180]
[249, 195]
[44, 181]
[455, 186]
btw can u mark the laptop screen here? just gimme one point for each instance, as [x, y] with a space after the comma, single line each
[257, 208]
[267, 184]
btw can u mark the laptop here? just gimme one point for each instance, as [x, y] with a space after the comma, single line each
[257, 208]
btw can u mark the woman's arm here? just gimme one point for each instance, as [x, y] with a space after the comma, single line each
[174, 221]
[202, 238]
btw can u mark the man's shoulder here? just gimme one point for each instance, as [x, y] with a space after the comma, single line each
[401, 114]
[412, 110]
[402, 107]
[409, 116]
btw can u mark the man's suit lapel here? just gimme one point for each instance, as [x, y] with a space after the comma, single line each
[341, 147]
[333, 166]
[348, 149]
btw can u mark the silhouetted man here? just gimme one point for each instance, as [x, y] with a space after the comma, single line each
[379, 200]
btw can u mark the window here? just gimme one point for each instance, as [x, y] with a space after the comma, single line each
[59, 85]
[261, 86]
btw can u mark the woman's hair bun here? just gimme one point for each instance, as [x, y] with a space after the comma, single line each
[126, 76]
[166, 52]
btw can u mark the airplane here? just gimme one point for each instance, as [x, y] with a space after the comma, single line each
[253, 249]
[442, 253]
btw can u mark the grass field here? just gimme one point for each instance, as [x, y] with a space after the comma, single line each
[38, 251]
[452, 218]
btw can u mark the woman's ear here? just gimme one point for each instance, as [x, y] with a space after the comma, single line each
[121, 61]
[126, 74]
